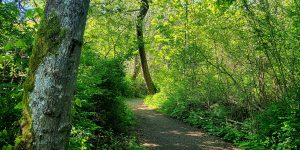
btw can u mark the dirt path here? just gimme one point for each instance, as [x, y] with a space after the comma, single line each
[156, 131]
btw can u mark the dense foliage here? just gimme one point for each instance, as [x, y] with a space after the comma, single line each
[230, 68]
[15, 46]
[101, 117]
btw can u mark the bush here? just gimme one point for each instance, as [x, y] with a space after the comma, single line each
[278, 126]
[101, 117]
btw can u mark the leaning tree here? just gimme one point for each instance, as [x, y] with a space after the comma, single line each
[141, 45]
[50, 85]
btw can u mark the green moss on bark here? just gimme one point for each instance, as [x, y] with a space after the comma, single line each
[48, 39]
[49, 36]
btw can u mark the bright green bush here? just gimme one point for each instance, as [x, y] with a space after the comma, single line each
[277, 127]
[101, 117]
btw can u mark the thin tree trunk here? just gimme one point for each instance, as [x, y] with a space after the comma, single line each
[50, 85]
[141, 46]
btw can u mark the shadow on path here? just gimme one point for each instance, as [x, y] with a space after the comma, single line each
[156, 131]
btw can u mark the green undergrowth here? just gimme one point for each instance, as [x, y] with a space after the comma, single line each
[15, 41]
[101, 119]
[276, 127]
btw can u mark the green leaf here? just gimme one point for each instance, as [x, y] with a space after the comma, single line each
[33, 13]
[29, 13]
[3, 133]
[8, 147]
[78, 102]
[39, 11]
[224, 4]
[21, 44]
[9, 46]
[19, 106]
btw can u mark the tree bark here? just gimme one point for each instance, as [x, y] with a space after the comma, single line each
[141, 46]
[50, 85]
[136, 67]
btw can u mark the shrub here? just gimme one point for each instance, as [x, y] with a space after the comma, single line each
[101, 117]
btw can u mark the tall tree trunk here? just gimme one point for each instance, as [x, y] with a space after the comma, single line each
[141, 45]
[136, 67]
[50, 85]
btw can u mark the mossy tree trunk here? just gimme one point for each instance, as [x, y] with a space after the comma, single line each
[141, 46]
[50, 85]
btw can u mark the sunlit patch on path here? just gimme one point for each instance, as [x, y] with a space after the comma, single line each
[157, 131]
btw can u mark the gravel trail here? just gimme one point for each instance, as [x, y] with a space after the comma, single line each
[157, 131]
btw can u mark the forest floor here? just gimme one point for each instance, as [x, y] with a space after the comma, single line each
[157, 131]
